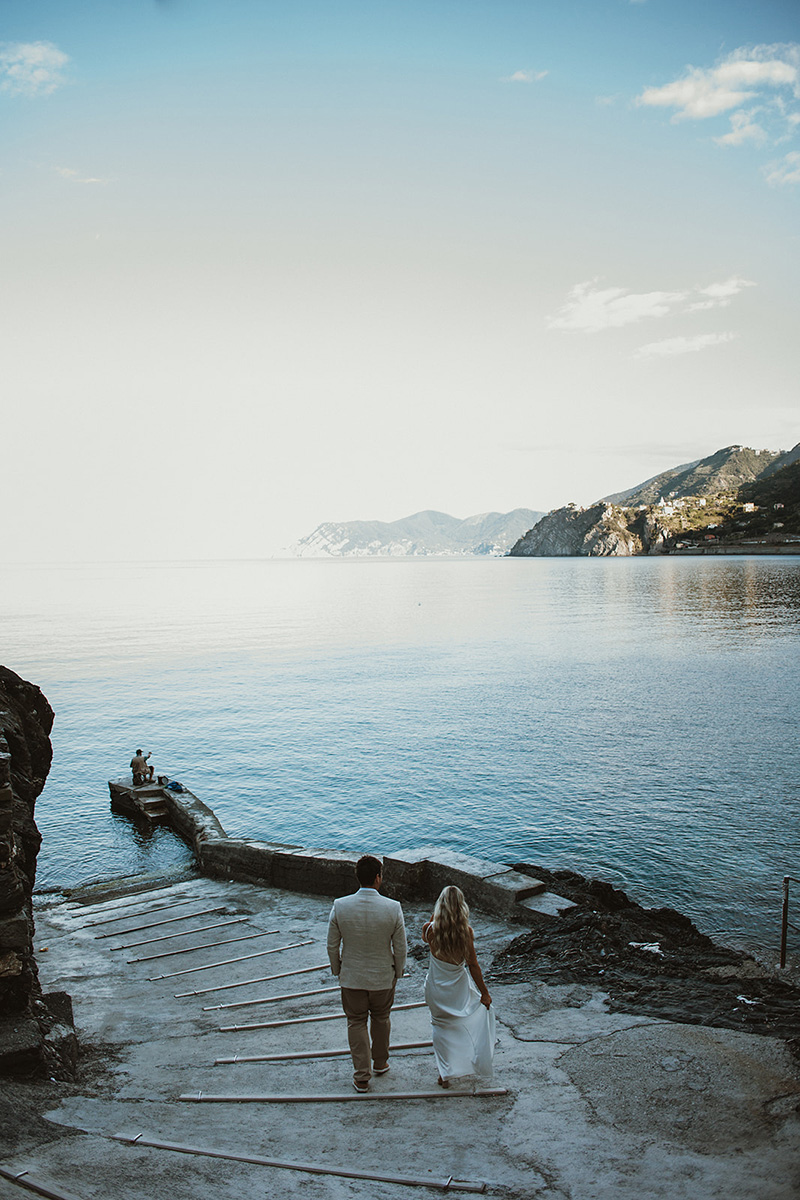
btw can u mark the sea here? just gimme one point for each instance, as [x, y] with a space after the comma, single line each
[632, 719]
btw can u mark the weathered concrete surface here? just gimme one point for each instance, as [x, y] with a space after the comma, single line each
[600, 1106]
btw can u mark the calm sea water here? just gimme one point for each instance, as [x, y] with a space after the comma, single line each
[632, 719]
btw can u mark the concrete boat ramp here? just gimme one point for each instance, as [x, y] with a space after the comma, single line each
[215, 1050]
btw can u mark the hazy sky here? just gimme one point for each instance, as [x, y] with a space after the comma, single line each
[267, 263]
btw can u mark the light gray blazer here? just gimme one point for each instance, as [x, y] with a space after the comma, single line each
[367, 940]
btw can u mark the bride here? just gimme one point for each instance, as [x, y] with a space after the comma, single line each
[461, 1013]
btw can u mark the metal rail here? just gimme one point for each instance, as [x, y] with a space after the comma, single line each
[227, 961]
[341, 1097]
[443, 1184]
[225, 987]
[203, 912]
[165, 937]
[24, 1179]
[334, 1016]
[303, 1054]
[785, 926]
[127, 916]
[129, 901]
[273, 999]
[247, 937]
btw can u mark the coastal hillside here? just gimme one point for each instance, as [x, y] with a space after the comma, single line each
[724, 471]
[423, 533]
[737, 499]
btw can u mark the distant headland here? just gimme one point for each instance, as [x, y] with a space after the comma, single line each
[735, 501]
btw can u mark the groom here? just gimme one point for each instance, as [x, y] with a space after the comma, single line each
[367, 951]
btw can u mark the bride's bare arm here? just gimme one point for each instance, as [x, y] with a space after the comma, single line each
[475, 971]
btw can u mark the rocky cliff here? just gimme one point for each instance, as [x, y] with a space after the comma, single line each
[35, 1030]
[603, 529]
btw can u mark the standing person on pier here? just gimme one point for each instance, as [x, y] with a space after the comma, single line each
[367, 952]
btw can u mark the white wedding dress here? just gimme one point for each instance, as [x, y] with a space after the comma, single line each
[463, 1028]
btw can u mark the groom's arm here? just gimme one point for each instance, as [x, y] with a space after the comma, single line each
[334, 943]
[399, 945]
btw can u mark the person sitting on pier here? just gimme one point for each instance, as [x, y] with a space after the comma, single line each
[140, 769]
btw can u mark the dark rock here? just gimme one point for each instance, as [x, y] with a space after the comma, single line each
[36, 1035]
[648, 960]
[20, 1045]
[60, 1049]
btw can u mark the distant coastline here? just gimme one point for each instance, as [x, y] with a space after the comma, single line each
[736, 501]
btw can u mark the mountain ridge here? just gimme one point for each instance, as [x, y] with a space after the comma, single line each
[725, 469]
[424, 533]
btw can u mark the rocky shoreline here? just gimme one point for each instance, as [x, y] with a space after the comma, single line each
[650, 961]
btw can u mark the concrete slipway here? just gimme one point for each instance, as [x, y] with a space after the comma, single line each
[597, 1106]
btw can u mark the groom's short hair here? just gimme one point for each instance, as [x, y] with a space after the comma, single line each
[368, 868]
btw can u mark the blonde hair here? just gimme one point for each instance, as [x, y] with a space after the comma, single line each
[449, 933]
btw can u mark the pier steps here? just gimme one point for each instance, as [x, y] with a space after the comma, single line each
[417, 874]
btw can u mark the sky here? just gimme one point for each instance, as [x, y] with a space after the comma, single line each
[269, 264]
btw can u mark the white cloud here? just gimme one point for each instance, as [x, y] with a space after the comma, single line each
[754, 67]
[760, 74]
[524, 77]
[720, 294]
[669, 347]
[743, 129]
[31, 68]
[730, 287]
[694, 96]
[76, 177]
[787, 170]
[591, 309]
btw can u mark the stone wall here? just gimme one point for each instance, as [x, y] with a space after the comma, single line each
[407, 874]
[35, 1030]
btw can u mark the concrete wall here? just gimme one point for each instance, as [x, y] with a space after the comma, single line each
[408, 874]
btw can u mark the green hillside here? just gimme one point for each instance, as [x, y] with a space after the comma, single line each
[764, 509]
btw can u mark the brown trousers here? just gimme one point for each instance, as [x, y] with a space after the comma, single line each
[359, 1006]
